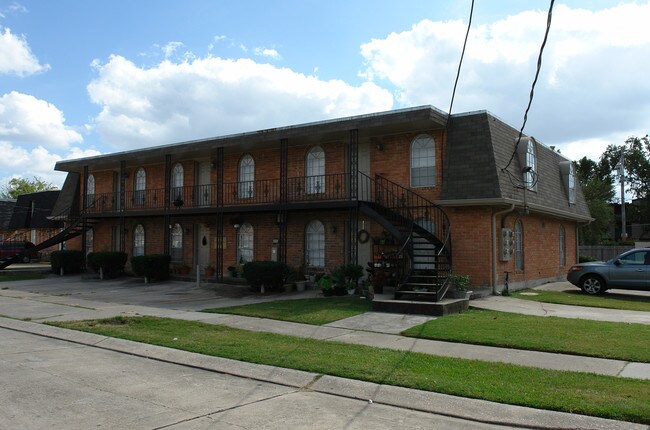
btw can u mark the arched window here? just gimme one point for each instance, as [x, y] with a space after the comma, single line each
[530, 173]
[562, 246]
[178, 175]
[519, 246]
[139, 186]
[245, 243]
[138, 240]
[315, 244]
[176, 251]
[572, 183]
[246, 176]
[315, 170]
[90, 191]
[423, 161]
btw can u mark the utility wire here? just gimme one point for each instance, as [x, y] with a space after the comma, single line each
[532, 88]
[460, 63]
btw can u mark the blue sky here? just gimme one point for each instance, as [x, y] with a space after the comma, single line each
[79, 78]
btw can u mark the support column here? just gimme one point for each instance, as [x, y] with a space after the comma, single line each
[122, 202]
[168, 220]
[220, 240]
[84, 203]
[352, 156]
[282, 215]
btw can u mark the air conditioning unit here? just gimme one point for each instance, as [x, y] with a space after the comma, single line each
[507, 244]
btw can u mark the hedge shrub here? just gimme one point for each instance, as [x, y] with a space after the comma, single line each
[271, 274]
[155, 266]
[111, 262]
[70, 261]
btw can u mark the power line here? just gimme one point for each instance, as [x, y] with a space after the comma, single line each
[462, 55]
[532, 88]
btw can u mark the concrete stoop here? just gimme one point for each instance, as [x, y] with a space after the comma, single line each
[441, 308]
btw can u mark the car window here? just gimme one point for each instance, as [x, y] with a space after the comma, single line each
[637, 258]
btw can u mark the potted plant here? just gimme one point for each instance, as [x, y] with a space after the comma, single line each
[458, 286]
[378, 280]
[209, 270]
[326, 285]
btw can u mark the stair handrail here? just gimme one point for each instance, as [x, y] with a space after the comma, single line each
[412, 200]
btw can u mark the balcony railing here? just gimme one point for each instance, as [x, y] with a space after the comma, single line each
[266, 191]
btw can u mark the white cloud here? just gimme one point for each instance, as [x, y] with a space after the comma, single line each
[16, 57]
[593, 80]
[26, 120]
[212, 96]
[33, 137]
[267, 52]
[171, 48]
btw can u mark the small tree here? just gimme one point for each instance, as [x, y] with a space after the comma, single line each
[18, 186]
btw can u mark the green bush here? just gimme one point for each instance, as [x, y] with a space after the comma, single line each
[111, 262]
[70, 261]
[155, 266]
[586, 259]
[271, 274]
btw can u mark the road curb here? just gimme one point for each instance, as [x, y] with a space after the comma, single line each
[441, 404]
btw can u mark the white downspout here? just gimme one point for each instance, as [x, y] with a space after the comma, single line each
[494, 245]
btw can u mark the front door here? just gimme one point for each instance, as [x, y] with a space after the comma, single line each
[203, 245]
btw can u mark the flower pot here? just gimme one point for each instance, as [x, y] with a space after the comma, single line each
[301, 286]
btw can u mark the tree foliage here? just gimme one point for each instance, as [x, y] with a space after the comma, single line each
[18, 186]
[596, 181]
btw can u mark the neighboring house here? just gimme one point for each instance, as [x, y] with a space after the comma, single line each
[451, 192]
[636, 222]
[6, 211]
[30, 219]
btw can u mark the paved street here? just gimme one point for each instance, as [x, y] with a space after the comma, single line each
[58, 378]
[54, 384]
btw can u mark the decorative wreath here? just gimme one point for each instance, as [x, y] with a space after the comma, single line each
[363, 236]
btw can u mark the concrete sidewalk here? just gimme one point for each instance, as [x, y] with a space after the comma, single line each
[372, 329]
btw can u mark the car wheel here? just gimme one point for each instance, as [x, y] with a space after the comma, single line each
[26, 259]
[592, 284]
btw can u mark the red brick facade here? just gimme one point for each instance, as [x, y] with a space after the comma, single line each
[474, 228]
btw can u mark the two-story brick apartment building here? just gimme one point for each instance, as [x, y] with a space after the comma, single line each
[450, 190]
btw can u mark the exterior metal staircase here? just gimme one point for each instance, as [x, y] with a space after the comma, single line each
[74, 228]
[423, 232]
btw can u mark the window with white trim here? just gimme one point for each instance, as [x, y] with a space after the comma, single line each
[315, 244]
[90, 191]
[562, 246]
[139, 187]
[530, 173]
[423, 161]
[178, 176]
[138, 240]
[176, 250]
[246, 176]
[315, 170]
[572, 183]
[245, 243]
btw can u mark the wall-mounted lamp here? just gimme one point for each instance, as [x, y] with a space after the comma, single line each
[380, 147]
[334, 228]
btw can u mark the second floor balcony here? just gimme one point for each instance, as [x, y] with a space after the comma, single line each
[264, 192]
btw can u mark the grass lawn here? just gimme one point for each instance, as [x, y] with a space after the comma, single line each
[578, 298]
[551, 334]
[604, 396]
[308, 311]
[21, 277]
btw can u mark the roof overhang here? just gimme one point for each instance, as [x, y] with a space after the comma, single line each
[500, 202]
[383, 123]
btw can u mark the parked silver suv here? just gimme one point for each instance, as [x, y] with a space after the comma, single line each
[628, 271]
